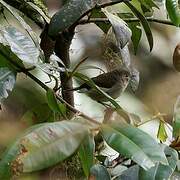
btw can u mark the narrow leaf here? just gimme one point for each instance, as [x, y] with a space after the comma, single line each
[87, 147]
[53, 103]
[144, 23]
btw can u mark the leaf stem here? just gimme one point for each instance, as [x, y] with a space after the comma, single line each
[105, 20]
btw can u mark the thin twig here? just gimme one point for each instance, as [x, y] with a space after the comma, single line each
[105, 20]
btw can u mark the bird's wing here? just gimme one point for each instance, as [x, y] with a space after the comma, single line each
[104, 81]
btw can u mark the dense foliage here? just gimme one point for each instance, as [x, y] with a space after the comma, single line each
[68, 132]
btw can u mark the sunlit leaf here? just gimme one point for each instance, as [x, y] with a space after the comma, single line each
[87, 147]
[42, 11]
[42, 146]
[161, 171]
[173, 9]
[21, 45]
[21, 21]
[99, 172]
[133, 143]
[162, 134]
[144, 23]
[7, 82]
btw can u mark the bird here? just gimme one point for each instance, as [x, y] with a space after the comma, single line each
[113, 83]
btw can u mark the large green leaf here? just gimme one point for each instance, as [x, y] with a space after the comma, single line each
[21, 21]
[99, 172]
[87, 148]
[133, 143]
[42, 146]
[144, 23]
[21, 45]
[7, 82]
[73, 11]
[70, 13]
[173, 8]
[176, 118]
[161, 171]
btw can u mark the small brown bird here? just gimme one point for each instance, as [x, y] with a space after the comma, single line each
[113, 83]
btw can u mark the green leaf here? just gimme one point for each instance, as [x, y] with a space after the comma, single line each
[22, 22]
[21, 45]
[99, 172]
[69, 14]
[42, 11]
[42, 146]
[87, 147]
[176, 118]
[149, 4]
[144, 23]
[7, 82]
[121, 30]
[96, 13]
[41, 6]
[162, 134]
[173, 9]
[54, 104]
[136, 34]
[133, 143]
[161, 171]
[131, 173]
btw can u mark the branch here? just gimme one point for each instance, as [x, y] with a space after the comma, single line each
[105, 20]
[45, 87]
[109, 3]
